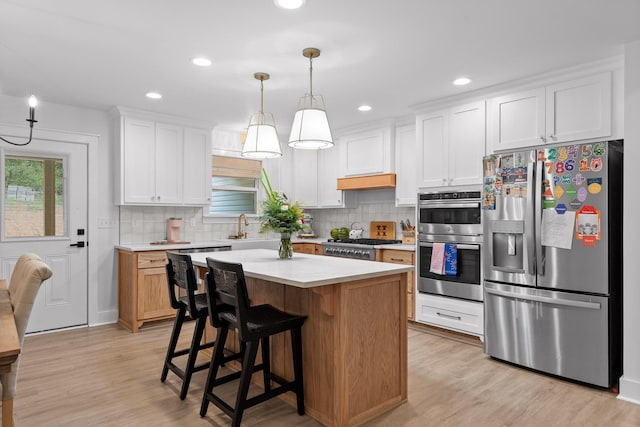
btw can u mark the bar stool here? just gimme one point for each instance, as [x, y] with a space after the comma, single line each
[190, 307]
[229, 307]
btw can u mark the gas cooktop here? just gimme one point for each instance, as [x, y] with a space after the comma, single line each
[354, 248]
[365, 241]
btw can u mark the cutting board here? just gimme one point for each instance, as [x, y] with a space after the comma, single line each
[382, 230]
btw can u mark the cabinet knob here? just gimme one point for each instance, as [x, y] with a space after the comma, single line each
[543, 139]
[552, 136]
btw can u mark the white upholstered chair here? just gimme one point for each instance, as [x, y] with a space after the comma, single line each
[28, 274]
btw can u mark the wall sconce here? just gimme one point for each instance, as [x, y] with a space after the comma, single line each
[33, 101]
[310, 129]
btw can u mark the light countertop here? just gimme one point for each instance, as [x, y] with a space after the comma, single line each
[302, 270]
[238, 244]
[234, 243]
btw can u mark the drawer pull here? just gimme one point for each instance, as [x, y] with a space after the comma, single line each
[397, 259]
[449, 316]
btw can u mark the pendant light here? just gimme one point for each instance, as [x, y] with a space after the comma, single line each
[310, 129]
[262, 138]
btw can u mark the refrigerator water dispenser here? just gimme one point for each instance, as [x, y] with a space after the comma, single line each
[508, 240]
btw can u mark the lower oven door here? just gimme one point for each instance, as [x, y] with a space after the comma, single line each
[465, 284]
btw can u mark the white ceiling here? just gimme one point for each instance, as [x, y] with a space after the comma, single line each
[389, 54]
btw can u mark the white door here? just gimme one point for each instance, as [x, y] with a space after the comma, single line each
[44, 211]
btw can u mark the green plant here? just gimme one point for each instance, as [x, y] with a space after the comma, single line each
[278, 214]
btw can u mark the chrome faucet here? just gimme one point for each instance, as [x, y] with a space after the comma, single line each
[242, 234]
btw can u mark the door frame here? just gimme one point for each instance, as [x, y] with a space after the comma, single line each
[91, 141]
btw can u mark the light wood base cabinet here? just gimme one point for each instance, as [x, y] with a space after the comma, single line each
[142, 288]
[308, 248]
[403, 257]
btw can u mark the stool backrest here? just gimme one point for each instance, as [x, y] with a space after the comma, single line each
[226, 289]
[182, 275]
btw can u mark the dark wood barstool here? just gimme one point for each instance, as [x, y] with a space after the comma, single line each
[229, 307]
[190, 307]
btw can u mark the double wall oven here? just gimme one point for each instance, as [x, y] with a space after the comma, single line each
[451, 217]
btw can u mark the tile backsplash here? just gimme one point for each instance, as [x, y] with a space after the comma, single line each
[149, 224]
[371, 205]
[139, 225]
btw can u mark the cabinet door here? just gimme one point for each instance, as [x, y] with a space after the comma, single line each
[197, 167]
[305, 183]
[579, 109]
[138, 172]
[328, 174]
[516, 120]
[432, 133]
[367, 152]
[466, 143]
[169, 163]
[153, 294]
[406, 188]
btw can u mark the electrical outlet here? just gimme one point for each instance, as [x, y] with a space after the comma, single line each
[107, 223]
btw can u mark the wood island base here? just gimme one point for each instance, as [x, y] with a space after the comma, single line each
[354, 345]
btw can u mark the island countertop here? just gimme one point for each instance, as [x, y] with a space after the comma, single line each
[303, 271]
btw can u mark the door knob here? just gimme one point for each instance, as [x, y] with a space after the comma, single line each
[78, 245]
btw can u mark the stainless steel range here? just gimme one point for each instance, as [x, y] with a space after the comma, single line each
[354, 248]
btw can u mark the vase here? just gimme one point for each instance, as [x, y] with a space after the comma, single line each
[285, 251]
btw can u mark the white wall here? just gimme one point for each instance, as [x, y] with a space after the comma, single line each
[103, 298]
[630, 381]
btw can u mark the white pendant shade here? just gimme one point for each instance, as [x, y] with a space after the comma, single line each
[262, 139]
[310, 129]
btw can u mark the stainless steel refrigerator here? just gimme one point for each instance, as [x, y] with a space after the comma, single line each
[552, 260]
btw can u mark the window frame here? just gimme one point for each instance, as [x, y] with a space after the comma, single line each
[233, 167]
[39, 155]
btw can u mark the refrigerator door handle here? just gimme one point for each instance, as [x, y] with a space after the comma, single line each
[530, 216]
[547, 300]
[540, 252]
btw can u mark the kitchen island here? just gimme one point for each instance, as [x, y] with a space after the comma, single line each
[355, 336]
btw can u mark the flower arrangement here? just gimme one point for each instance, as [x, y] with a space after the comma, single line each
[281, 216]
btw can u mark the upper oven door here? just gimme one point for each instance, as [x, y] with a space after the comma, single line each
[450, 217]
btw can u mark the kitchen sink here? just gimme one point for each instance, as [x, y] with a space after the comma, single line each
[238, 244]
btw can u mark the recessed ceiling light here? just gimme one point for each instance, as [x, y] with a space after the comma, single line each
[289, 4]
[201, 61]
[364, 108]
[462, 81]
[154, 95]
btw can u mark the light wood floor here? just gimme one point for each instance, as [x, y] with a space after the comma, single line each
[106, 376]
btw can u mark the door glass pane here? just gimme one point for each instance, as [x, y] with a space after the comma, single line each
[33, 196]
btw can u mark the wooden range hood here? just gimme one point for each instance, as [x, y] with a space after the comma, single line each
[368, 182]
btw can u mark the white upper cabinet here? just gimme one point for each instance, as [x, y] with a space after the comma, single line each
[162, 163]
[305, 183]
[567, 111]
[466, 143]
[197, 191]
[451, 144]
[367, 152]
[169, 151]
[406, 161]
[579, 109]
[432, 132]
[328, 173]
[137, 160]
[517, 120]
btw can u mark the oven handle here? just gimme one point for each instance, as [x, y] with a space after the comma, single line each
[458, 245]
[450, 205]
